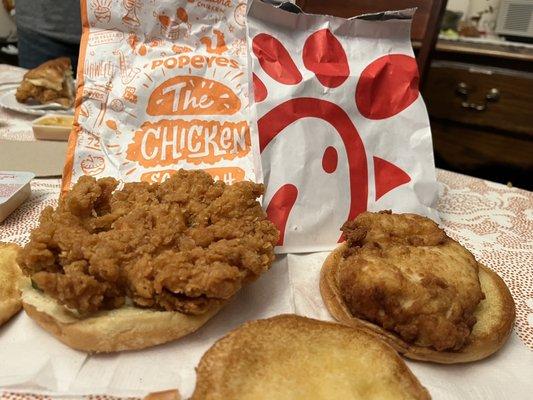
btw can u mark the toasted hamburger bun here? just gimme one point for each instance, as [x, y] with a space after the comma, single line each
[125, 328]
[172, 394]
[495, 317]
[10, 273]
[291, 357]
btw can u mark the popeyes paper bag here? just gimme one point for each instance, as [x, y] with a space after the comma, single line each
[162, 85]
[342, 126]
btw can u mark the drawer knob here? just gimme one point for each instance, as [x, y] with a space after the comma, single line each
[493, 95]
[463, 90]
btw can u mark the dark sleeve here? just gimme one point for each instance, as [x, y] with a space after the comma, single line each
[57, 19]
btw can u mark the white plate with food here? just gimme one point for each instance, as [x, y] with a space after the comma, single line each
[49, 87]
[9, 101]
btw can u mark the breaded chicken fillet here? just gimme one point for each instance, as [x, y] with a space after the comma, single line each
[403, 273]
[183, 245]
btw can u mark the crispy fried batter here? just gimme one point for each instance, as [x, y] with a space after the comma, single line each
[10, 274]
[405, 274]
[49, 82]
[181, 245]
[42, 95]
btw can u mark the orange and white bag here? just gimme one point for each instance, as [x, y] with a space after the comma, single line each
[162, 85]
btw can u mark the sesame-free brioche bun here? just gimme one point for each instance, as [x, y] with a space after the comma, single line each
[172, 394]
[495, 317]
[290, 357]
[10, 273]
[125, 328]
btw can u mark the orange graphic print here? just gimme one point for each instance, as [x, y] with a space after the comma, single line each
[84, 112]
[181, 49]
[117, 105]
[105, 69]
[228, 175]
[220, 46]
[92, 165]
[140, 47]
[100, 94]
[240, 14]
[102, 12]
[130, 18]
[129, 95]
[171, 27]
[192, 95]
[127, 73]
[105, 37]
[111, 124]
[167, 142]
[133, 41]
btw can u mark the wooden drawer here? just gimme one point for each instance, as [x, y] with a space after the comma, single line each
[483, 153]
[512, 111]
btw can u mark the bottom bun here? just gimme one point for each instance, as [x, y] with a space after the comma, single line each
[495, 317]
[126, 328]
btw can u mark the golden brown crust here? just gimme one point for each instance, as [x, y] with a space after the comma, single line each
[52, 70]
[293, 357]
[128, 328]
[165, 395]
[49, 82]
[495, 317]
[206, 240]
[10, 273]
[403, 273]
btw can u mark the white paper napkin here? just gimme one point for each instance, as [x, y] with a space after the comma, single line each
[33, 361]
[507, 374]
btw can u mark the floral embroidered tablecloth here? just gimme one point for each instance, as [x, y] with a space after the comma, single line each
[494, 221]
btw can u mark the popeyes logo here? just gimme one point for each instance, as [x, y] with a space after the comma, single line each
[192, 95]
[197, 61]
[167, 142]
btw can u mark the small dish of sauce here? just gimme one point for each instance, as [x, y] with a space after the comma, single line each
[53, 127]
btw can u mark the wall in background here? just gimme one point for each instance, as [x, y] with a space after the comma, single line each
[489, 14]
[7, 25]
[459, 6]
[485, 10]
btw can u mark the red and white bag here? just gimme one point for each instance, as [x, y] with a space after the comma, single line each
[342, 126]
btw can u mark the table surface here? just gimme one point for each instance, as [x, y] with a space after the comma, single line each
[502, 49]
[493, 221]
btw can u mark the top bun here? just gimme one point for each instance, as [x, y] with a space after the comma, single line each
[292, 357]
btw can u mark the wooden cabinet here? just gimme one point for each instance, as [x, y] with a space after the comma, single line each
[480, 95]
[482, 118]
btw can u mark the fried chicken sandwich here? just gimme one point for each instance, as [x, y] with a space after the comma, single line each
[50, 82]
[117, 269]
[400, 276]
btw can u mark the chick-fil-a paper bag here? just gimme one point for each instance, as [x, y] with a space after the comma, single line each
[342, 126]
[162, 85]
